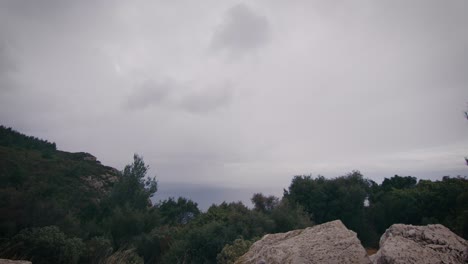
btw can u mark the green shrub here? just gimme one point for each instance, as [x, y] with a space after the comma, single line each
[231, 253]
[128, 256]
[43, 245]
[97, 249]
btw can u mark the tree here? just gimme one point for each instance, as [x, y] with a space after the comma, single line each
[399, 182]
[264, 203]
[134, 188]
[178, 212]
[289, 216]
[330, 199]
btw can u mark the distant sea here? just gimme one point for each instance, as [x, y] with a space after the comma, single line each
[205, 195]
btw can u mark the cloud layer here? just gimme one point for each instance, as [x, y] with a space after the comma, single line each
[242, 94]
[242, 31]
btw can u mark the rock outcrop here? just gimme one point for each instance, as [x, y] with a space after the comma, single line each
[8, 261]
[420, 244]
[331, 242]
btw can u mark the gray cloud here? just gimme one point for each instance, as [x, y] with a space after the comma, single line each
[241, 31]
[7, 64]
[378, 86]
[8, 67]
[207, 100]
[149, 93]
[172, 95]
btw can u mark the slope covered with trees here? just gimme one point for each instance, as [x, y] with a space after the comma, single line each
[41, 186]
[59, 207]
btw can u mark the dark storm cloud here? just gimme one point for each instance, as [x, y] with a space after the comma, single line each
[241, 31]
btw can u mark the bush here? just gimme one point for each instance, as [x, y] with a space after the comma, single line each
[97, 249]
[152, 246]
[43, 245]
[128, 256]
[231, 253]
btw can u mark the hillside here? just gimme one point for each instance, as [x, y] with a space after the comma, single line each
[61, 207]
[40, 185]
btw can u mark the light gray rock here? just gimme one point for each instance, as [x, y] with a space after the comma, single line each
[8, 261]
[331, 242]
[420, 244]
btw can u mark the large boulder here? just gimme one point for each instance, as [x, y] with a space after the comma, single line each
[331, 242]
[420, 244]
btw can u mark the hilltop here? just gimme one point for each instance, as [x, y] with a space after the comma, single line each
[40, 185]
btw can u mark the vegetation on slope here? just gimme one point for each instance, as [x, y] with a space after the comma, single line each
[40, 186]
[59, 207]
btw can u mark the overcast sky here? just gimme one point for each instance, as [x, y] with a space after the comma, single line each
[243, 93]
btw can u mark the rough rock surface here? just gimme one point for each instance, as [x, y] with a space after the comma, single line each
[8, 261]
[420, 244]
[331, 242]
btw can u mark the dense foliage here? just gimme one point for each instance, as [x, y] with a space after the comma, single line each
[68, 208]
[231, 253]
[12, 138]
[369, 208]
[61, 189]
